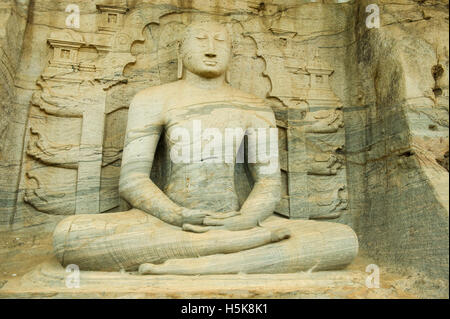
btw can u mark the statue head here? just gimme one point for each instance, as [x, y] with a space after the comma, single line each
[205, 49]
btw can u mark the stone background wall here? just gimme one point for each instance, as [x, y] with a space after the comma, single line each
[389, 85]
[13, 22]
[400, 135]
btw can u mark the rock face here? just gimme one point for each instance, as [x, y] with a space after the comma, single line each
[362, 113]
[401, 135]
[12, 28]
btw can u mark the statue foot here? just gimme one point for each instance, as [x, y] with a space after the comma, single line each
[147, 269]
[199, 265]
[280, 234]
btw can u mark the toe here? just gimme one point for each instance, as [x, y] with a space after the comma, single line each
[280, 234]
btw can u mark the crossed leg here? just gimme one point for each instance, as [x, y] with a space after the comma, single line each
[111, 242]
[313, 245]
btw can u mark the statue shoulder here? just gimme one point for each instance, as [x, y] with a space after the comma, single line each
[148, 105]
[262, 114]
[153, 97]
[153, 93]
[249, 99]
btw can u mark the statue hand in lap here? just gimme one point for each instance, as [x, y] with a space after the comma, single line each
[230, 221]
[233, 221]
[195, 224]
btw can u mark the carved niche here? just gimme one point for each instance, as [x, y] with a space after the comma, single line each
[78, 116]
[66, 156]
[310, 121]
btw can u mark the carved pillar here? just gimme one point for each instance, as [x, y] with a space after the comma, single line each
[91, 150]
[70, 97]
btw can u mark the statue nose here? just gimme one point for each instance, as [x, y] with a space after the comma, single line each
[211, 48]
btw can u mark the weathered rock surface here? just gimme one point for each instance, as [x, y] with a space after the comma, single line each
[368, 149]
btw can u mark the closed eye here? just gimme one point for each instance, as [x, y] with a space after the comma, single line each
[219, 37]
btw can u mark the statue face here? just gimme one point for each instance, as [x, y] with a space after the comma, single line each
[206, 49]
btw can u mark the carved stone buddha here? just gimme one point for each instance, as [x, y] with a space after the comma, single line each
[195, 223]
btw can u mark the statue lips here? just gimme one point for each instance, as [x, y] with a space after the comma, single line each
[210, 62]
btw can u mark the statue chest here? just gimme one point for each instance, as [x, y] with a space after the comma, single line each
[205, 132]
[207, 116]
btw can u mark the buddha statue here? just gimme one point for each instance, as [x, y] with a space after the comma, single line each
[195, 224]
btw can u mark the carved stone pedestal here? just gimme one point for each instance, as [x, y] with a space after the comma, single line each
[48, 280]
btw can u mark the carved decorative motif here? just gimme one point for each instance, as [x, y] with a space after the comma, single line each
[112, 16]
[70, 108]
[310, 122]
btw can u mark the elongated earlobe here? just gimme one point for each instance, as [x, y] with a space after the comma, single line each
[180, 62]
[180, 68]
[228, 73]
[228, 77]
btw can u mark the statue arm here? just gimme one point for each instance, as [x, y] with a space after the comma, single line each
[266, 192]
[143, 132]
[264, 197]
